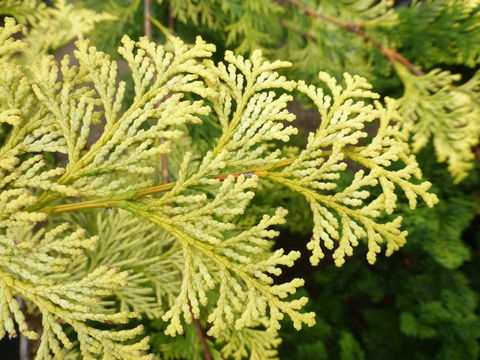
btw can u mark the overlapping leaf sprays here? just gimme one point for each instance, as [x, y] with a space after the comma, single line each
[227, 270]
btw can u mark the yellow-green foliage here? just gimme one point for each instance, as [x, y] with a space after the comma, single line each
[433, 107]
[51, 26]
[25, 12]
[28, 261]
[151, 257]
[375, 39]
[178, 250]
[345, 216]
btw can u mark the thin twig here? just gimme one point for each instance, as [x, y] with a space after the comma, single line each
[298, 31]
[112, 201]
[171, 18]
[147, 14]
[24, 346]
[201, 336]
[391, 55]
[115, 200]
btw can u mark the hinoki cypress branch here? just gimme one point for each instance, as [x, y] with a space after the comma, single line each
[392, 55]
[111, 201]
[193, 226]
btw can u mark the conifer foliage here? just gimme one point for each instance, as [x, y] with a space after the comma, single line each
[94, 241]
[364, 37]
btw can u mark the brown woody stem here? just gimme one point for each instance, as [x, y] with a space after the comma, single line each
[390, 54]
[112, 201]
[147, 14]
[201, 336]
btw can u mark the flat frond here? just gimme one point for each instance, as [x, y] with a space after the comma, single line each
[188, 249]
[435, 108]
[345, 216]
[71, 104]
[254, 344]
[151, 257]
[24, 11]
[28, 259]
[225, 261]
